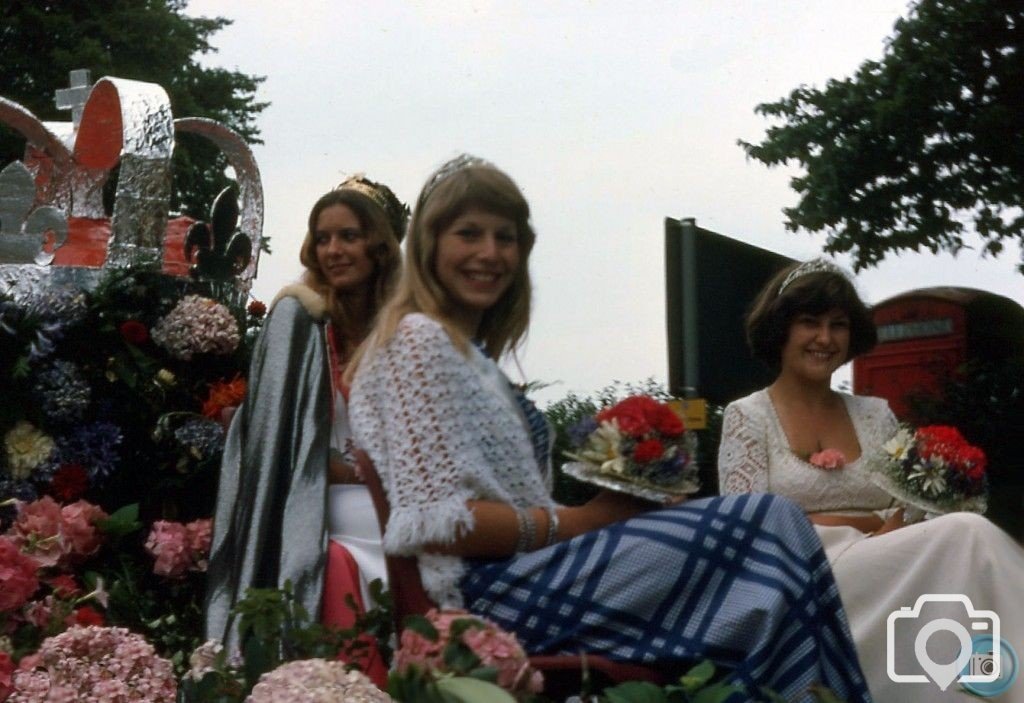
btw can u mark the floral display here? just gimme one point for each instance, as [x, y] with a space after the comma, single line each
[105, 440]
[315, 681]
[933, 469]
[95, 663]
[828, 459]
[639, 441]
[433, 643]
[197, 325]
[179, 548]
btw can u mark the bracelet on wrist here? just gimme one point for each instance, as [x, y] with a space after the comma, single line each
[527, 530]
[552, 535]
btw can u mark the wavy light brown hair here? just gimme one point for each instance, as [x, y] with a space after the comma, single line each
[504, 325]
[772, 314]
[381, 245]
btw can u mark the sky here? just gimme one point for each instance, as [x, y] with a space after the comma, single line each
[610, 116]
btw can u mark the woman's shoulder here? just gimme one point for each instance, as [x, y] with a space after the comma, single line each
[753, 404]
[866, 403]
[297, 298]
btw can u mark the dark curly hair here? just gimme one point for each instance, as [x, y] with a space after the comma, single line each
[815, 293]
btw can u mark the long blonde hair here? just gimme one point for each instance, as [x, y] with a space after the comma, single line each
[504, 325]
[381, 246]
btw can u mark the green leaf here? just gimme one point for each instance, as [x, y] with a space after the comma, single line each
[697, 677]
[122, 521]
[421, 626]
[466, 690]
[636, 692]
[717, 694]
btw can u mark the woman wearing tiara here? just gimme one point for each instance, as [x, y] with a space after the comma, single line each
[287, 484]
[464, 459]
[806, 323]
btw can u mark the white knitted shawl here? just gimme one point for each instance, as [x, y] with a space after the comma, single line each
[442, 428]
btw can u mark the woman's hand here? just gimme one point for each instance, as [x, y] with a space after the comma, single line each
[339, 470]
[894, 522]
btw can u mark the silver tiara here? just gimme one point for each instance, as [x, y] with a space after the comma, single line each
[812, 266]
[450, 167]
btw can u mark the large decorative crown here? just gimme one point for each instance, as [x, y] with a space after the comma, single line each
[52, 221]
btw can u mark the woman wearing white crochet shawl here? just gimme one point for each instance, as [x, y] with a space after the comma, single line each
[464, 459]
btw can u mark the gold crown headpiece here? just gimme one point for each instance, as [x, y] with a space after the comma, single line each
[818, 265]
[396, 212]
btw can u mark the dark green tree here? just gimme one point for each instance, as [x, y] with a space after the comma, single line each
[146, 40]
[918, 148]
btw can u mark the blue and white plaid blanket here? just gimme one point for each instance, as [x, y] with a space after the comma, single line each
[741, 580]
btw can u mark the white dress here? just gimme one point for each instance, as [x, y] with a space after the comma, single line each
[959, 553]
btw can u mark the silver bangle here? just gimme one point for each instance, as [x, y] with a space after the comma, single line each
[552, 536]
[527, 530]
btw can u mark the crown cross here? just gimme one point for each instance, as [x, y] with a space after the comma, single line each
[25, 238]
[75, 97]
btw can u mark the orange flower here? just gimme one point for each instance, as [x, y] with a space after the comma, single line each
[224, 394]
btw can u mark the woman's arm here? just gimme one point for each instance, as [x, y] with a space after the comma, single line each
[742, 453]
[495, 531]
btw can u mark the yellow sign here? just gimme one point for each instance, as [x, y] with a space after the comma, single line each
[694, 412]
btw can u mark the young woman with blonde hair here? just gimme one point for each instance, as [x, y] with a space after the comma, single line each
[464, 459]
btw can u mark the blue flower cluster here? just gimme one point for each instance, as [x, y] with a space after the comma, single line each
[62, 392]
[203, 438]
[94, 446]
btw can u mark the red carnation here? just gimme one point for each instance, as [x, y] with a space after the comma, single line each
[630, 414]
[69, 482]
[257, 309]
[86, 616]
[667, 422]
[64, 586]
[648, 450]
[133, 332]
[6, 673]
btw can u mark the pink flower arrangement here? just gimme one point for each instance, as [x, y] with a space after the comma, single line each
[494, 647]
[197, 325]
[18, 576]
[96, 663]
[179, 548]
[316, 681]
[56, 536]
[828, 459]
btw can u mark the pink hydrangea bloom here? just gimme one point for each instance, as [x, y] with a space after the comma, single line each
[168, 544]
[315, 681]
[97, 663]
[197, 325]
[178, 548]
[6, 675]
[18, 576]
[37, 531]
[200, 536]
[81, 535]
[39, 612]
[495, 648]
[828, 459]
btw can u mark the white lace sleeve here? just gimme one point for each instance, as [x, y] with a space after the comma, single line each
[405, 413]
[743, 452]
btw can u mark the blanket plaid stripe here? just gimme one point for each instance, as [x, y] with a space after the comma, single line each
[741, 580]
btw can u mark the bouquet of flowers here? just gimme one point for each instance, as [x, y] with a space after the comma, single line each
[933, 469]
[638, 446]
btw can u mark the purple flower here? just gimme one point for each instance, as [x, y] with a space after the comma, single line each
[580, 432]
[62, 391]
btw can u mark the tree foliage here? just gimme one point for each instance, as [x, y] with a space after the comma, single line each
[146, 40]
[917, 148]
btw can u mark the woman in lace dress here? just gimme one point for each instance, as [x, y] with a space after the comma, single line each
[464, 458]
[288, 495]
[806, 323]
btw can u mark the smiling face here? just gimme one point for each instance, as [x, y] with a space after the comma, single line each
[476, 261]
[817, 345]
[341, 249]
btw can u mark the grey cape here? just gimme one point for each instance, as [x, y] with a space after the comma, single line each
[270, 520]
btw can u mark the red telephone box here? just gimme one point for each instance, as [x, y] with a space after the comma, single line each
[925, 335]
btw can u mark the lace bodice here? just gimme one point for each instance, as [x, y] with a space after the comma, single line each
[754, 456]
[442, 428]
